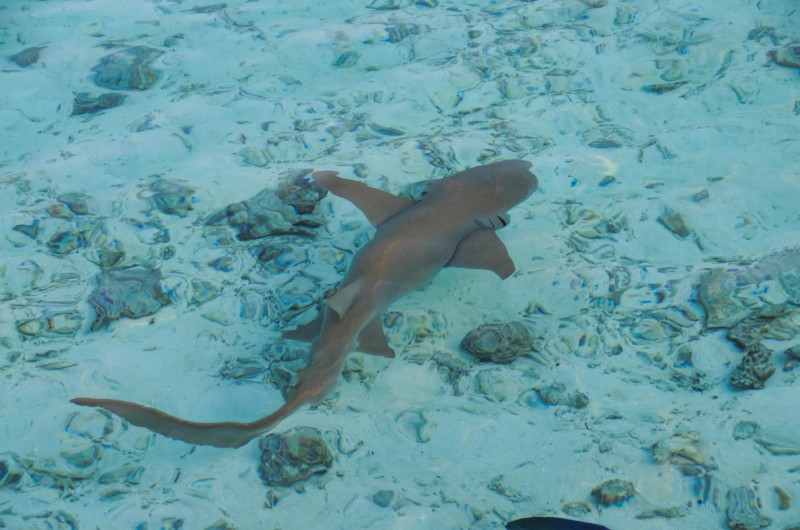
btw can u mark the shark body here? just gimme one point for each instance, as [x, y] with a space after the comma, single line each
[453, 225]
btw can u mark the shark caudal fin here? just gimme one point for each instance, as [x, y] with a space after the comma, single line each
[225, 434]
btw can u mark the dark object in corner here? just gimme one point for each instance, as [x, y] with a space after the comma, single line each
[551, 523]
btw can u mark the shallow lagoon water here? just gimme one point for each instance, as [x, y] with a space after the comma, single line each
[659, 252]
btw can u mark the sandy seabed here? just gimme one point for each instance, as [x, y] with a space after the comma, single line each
[657, 265]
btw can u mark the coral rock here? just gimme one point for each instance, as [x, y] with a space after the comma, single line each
[743, 510]
[499, 343]
[613, 491]
[293, 456]
[753, 370]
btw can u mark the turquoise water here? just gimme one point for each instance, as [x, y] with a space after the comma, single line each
[658, 264]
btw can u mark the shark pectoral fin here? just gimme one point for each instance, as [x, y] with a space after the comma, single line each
[371, 340]
[377, 205]
[345, 297]
[482, 249]
[306, 332]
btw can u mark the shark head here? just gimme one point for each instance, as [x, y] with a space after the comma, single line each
[490, 189]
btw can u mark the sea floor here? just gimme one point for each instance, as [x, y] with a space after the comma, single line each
[150, 250]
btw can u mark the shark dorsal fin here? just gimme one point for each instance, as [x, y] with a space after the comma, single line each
[377, 205]
[482, 249]
[371, 340]
[345, 297]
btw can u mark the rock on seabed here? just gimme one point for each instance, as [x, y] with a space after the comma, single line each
[293, 456]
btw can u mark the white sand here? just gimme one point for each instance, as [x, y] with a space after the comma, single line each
[535, 80]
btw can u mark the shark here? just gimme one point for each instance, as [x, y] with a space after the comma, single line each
[453, 225]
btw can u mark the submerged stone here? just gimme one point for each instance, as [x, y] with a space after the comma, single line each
[60, 324]
[289, 210]
[131, 293]
[744, 430]
[683, 450]
[60, 211]
[383, 498]
[577, 509]
[775, 323]
[80, 453]
[68, 241]
[415, 425]
[788, 57]
[276, 255]
[128, 69]
[86, 103]
[499, 343]
[606, 137]
[743, 510]
[683, 372]
[754, 369]
[28, 56]
[171, 197]
[673, 221]
[76, 202]
[211, 8]
[300, 192]
[783, 266]
[496, 385]
[31, 230]
[613, 491]
[293, 456]
[203, 291]
[717, 295]
[106, 252]
[557, 394]
[222, 264]
[397, 32]
[10, 473]
[297, 296]
[663, 88]
[792, 358]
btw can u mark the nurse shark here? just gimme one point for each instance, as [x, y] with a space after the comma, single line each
[453, 225]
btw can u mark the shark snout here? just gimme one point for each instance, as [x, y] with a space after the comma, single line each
[516, 180]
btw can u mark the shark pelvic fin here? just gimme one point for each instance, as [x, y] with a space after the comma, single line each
[345, 297]
[482, 249]
[377, 205]
[371, 340]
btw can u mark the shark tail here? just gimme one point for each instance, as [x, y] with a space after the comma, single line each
[224, 434]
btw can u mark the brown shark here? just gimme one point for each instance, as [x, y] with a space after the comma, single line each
[452, 226]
